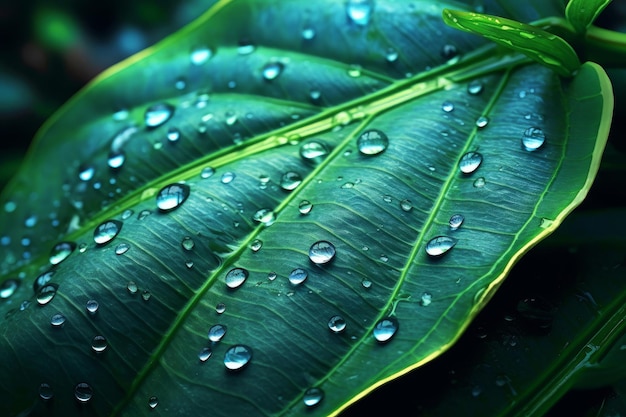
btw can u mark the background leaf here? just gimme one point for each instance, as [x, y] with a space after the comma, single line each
[582, 13]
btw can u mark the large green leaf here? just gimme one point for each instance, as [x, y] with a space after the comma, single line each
[265, 105]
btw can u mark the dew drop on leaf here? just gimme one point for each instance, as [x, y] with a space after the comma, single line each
[264, 216]
[482, 122]
[440, 245]
[391, 55]
[145, 295]
[61, 251]
[290, 180]
[106, 231]
[245, 47]
[359, 11]
[236, 277]
[533, 139]
[86, 172]
[217, 332]
[313, 396]
[132, 287]
[153, 402]
[8, 288]
[204, 354]
[127, 213]
[366, 283]
[200, 55]
[122, 248]
[456, 220]
[322, 252]
[426, 299]
[470, 162]
[187, 243]
[158, 114]
[305, 207]
[237, 357]
[272, 276]
[298, 276]
[116, 159]
[256, 245]
[83, 392]
[42, 280]
[207, 172]
[172, 196]
[228, 177]
[45, 392]
[479, 183]
[314, 151]
[143, 214]
[46, 293]
[372, 142]
[385, 329]
[308, 33]
[92, 306]
[57, 320]
[173, 134]
[406, 205]
[99, 344]
[447, 106]
[272, 70]
[220, 308]
[475, 87]
[337, 324]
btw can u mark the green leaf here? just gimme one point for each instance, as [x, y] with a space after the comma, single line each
[582, 13]
[542, 46]
[243, 117]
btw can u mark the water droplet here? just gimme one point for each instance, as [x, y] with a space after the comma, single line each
[46, 293]
[116, 159]
[24, 305]
[366, 283]
[127, 213]
[30, 221]
[172, 196]
[132, 287]
[533, 139]
[220, 308]
[99, 344]
[245, 47]
[354, 71]
[385, 329]
[479, 183]
[290, 180]
[256, 245]
[107, 231]
[8, 287]
[482, 121]
[447, 106]
[384, 258]
[426, 299]
[92, 306]
[272, 70]
[200, 55]
[236, 277]
[308, 33]
[181, 83]
[298, 276]
[475, 87]
[449, 51]
[189, 263]
[42, 280]
[86, 172]
[337, 324]
[264, 216]
[158, 114]
[372, 142]
[470, 162]
[314, 151]
[57, 320]
[359, 11]
[153, 402]
[83, 392]
[272, 276]
[456, 220]
[439, 245]
[406, 205]
[204, 354]
[217, 332]
[312, 397]
[347, 185]
[391, 55]
[143, 214]
[207, 172]
[228, 177]
[122, 248]
[45, 392]
[322, 252]
[237, 357]
[173, 134]
[305, 207]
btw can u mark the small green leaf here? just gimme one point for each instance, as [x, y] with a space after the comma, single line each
[539, 45]
[582, 13]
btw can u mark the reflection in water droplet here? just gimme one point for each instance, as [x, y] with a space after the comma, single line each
[45, 392]
[533, 139]
[107, 231]
[337, 324]
[83, 392]
[322, 252]
[216, 333]
[470, 162]
[298, 276]
[447, 106]
[235, 277]
[359, 11]
[61, 251]
[99, 344]
[8, 287]
[237, 357]
[290, 180]
[158, 114]
[57, 320]
[256, 245]
[456, 220]
[220, 308]
[272, 70]
[314, 151]
[172, 196]
[439, 245]
[92, 306]
[153, 402]
[312, 397]
[385, 329]
[426, 299]
[475, 87]
[264, 216]
[372, 142]
[406, 205]
[46, 293]
[200, 55]
[122, 248]
[479, 183]
[132, 287]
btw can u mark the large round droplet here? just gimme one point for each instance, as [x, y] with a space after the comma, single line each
[272, 70]
[158, 114]
[99, 344]
[337, 324]
[200, 55]
[172, 196]
[440, 245]
[107, 231]
[533, 139]
[236, 277]
[47, 293]
[385, 329]
[372, 142]
[470, 162]
[322, 252]
[61, 251]
[237, 357]
[8, 287]
[264, 216]
[359, 11]
[312, 397]
[456, 220]
[217, 332]
[314, 151]
[83, 392]
[45, 392]
[298, 276]
[290, 180]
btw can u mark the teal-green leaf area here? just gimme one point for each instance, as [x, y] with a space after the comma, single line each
[280, 208]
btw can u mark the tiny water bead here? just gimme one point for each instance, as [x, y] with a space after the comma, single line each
[145, 295]
[172, 196]
[173, 134]
[372, 142]
[83, 392]
[482, 122]
[47, 293]
[533, 139]
[256, 245]
[45, 392]
[475, 87]
[8, 287]
[449, 51]
[99, 344]
[207, 172]
[456, 220]
[217, 332]
[122, 248]
[322, 252]
[264, 216]
[426, 299]
[385, 329]
[200, 55]
[237, 357]
[406, 205]
[220, 308]
[440, 245]
[236, 277]
[57, 320]
[153, 402]
[61, 251]
[272, 276]
[447, 106]
[204, 354]
[290, 180]
[107, 231]
[337, 324]
[158, 114]
[313, 396]
[308, 33]
[187, 243]
[227, 177]
[132, 288]
[272, 70]
[245, 47]
[92, 306]
[116, 159]
[127, 213]
[314, 151]
[470, 162]
[298, 276]
[143, 214]
[42, 280]
[86, 172]
[359, 11]
[305, 207]
[479, 183]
